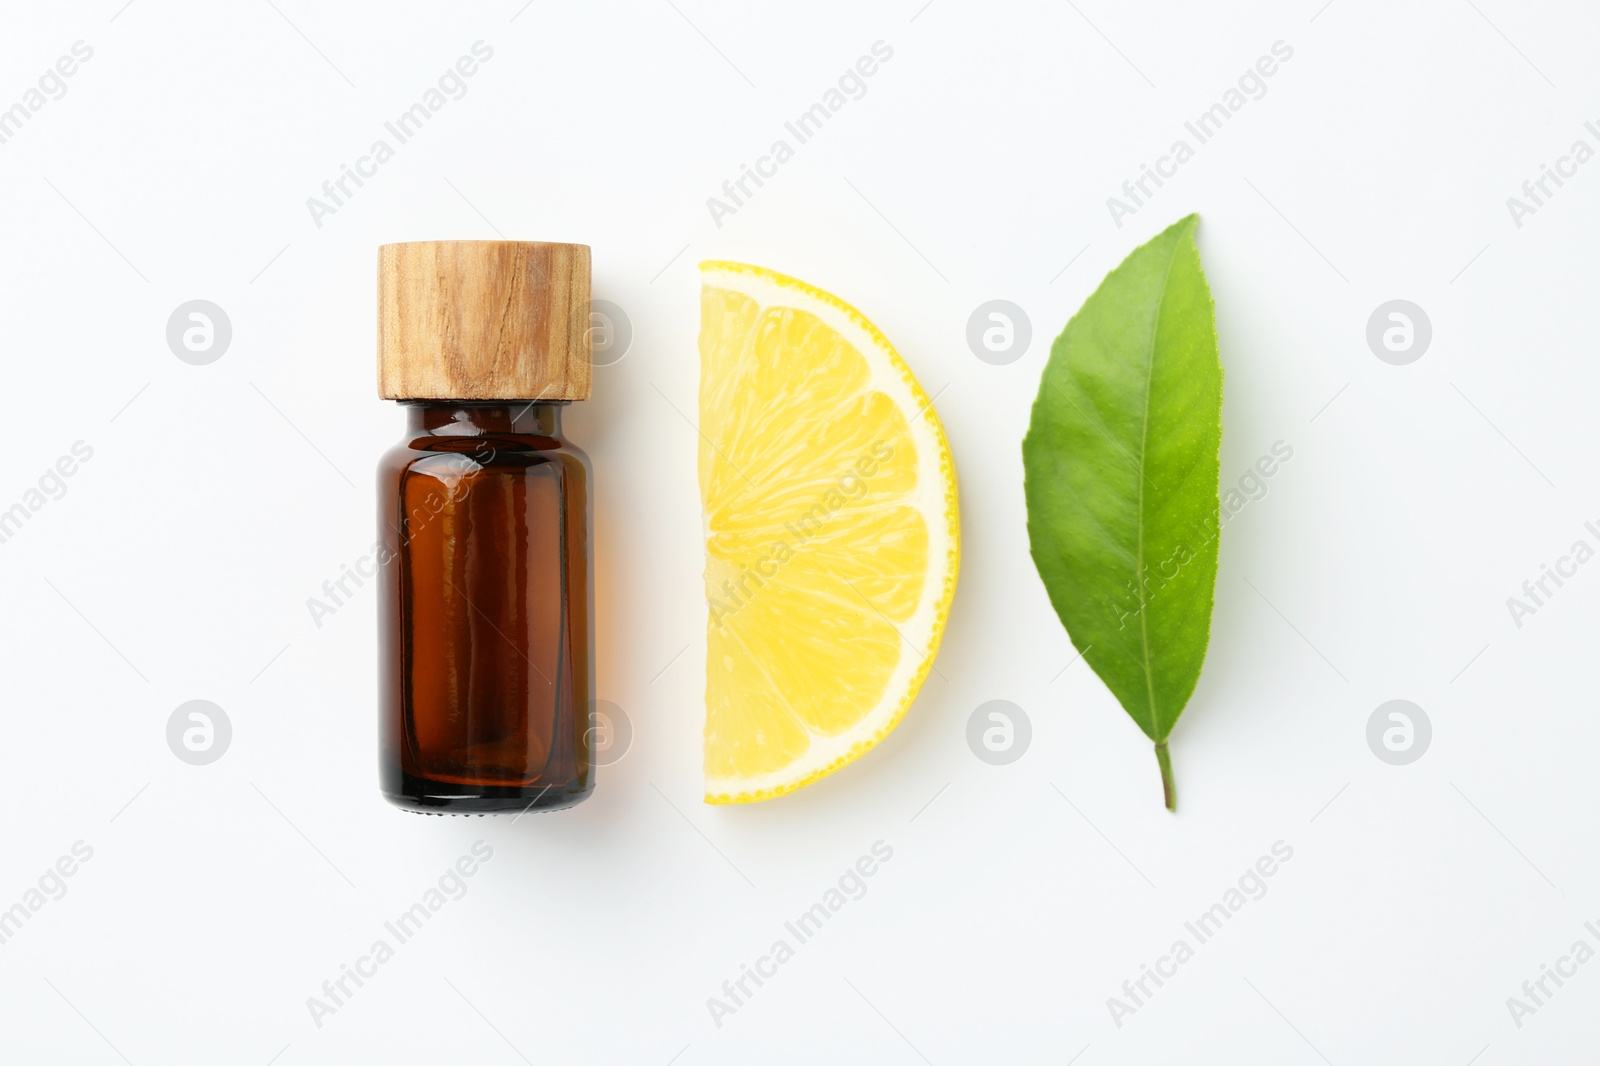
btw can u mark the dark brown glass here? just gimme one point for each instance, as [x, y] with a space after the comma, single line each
[487, 638]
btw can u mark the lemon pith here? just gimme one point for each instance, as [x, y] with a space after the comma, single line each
[832, 539]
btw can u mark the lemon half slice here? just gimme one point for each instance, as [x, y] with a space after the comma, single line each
[832, 541]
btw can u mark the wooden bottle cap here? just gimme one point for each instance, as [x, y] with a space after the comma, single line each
[483, 320]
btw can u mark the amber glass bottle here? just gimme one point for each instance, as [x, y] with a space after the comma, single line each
[486, 644]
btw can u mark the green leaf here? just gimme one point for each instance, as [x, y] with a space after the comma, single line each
[1121, 466]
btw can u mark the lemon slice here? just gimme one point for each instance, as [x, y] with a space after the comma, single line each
[831, 532]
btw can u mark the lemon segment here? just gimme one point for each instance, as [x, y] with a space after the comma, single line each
[832, 540]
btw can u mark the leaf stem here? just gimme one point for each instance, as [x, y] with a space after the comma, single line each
[1168, 789]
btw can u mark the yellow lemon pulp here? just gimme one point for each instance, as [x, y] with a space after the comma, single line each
[832, 541]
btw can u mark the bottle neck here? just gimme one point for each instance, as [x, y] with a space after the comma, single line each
[477, 418]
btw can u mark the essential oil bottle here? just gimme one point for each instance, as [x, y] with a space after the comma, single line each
[486, 648]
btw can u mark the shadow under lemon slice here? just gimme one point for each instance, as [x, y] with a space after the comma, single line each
[832, 540]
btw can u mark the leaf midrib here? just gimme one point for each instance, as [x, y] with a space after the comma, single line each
[1144, 442]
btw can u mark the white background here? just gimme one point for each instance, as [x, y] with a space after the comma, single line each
[178, 564]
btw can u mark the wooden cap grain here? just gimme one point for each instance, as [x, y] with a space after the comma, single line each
[483, 320]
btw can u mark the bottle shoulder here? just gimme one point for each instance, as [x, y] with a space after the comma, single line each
[434, 452]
